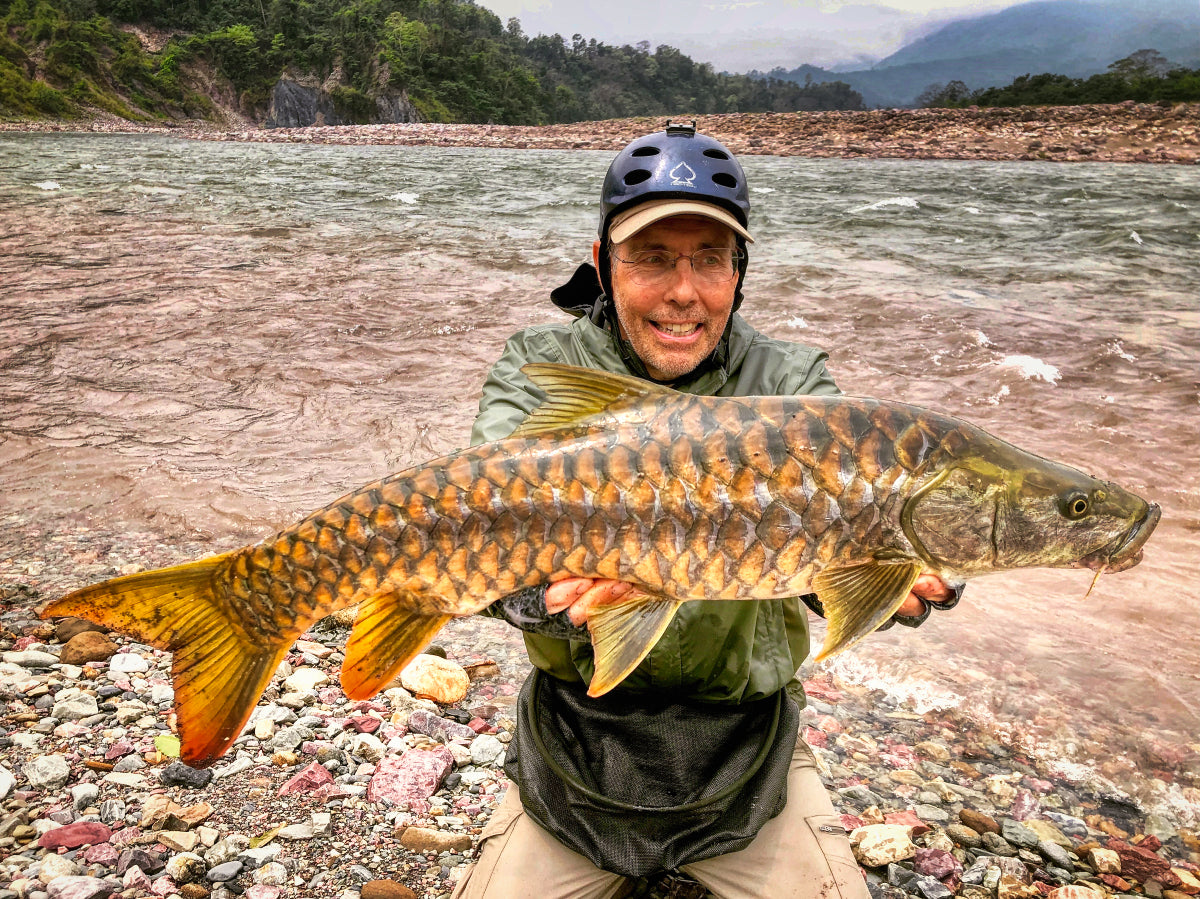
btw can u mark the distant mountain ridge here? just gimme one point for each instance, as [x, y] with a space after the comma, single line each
[1066, 37]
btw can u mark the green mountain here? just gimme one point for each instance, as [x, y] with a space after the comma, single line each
[299, 62]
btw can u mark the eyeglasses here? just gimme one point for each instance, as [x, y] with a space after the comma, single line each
[653, 268]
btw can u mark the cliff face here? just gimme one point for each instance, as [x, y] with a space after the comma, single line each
[298, 102]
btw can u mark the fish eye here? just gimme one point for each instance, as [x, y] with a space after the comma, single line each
[1075, 505]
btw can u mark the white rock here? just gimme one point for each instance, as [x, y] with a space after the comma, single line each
[27, 740]
[48, 772]
[128, 779]
[127, 663]
[271, 874]
[83, 795]
[305, 679]
[237, 766]
[72, 704]
[485, 749]
[53, 866]
[31, 658]
[368, 747]
[7, 781]
[461, 754]
[295, 832]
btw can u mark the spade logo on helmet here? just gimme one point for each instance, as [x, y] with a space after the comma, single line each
[683, 176]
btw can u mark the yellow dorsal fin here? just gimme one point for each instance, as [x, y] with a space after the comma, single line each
[581, 397]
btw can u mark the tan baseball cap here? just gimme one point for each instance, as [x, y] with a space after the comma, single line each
[631, 221]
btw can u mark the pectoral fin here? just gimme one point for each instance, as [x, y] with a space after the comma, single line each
[389, 632]
[623, 633]
[859, 598]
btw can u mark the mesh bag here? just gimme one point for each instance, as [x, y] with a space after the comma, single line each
[638, 784]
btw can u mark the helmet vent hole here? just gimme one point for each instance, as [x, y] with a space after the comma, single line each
[716, 154]
[637, 176]
[645, 151]
[725, 180]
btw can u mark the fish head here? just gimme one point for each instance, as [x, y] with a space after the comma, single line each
[992, 507]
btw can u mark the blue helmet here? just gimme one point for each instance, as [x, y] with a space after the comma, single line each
[675, 164]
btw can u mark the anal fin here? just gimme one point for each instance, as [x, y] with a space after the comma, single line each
[389, 632]
[859, 598]
[623, 633]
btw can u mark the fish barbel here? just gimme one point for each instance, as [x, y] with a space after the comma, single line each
[686, 497]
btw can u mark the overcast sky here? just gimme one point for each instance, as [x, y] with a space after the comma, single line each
[738, 35]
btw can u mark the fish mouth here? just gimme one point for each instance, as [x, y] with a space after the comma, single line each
[1126, 550]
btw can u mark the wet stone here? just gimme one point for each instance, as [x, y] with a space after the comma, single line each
[224, 872]
[1018, 834]
[177, 774]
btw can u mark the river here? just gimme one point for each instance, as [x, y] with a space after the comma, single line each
[203, 341]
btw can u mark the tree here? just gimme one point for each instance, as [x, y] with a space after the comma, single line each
[1141, 64]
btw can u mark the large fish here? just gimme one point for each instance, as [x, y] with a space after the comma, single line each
[687, 497]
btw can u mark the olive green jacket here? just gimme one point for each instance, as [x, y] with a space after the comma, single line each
[712, 651]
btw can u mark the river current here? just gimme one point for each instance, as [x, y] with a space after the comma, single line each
[202, 341]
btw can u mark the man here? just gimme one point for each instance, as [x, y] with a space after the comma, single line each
[694, 762]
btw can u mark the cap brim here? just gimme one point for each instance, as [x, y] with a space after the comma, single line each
[631, 221]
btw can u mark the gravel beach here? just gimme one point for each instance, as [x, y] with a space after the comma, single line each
[322, 796]
[1126, 132]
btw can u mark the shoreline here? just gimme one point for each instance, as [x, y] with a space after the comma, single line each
[1126, 132]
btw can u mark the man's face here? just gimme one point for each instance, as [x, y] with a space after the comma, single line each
[673, 326]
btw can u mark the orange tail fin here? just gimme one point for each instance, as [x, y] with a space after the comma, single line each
[218, 671]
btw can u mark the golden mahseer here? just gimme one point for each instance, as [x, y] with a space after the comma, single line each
[690, 498]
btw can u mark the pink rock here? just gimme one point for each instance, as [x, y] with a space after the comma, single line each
[126, 836]
[909, 819]
[936, 863]
[72, 836]
[412, 778]
[308, 780]
[480, 726]
[164, 887]
[118, 749]
[1025, 806]
[829, 724]
[851, 822]
[814, 737]
[135, 878]
[263, 891]
[363, 724]
[72, 886]
[102, 854]
[1140, 864]
[900, 756]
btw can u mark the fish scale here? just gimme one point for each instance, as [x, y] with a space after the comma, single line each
[684, 497]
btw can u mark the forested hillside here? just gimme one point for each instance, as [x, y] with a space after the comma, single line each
[451, 60]
[1144, 77]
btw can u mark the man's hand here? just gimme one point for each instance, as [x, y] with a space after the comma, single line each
[577, 596]
[928, 588]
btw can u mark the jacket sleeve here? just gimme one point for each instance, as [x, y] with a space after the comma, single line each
[508, 396]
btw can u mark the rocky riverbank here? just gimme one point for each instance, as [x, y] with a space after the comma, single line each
[1127, 132]
[326, 797]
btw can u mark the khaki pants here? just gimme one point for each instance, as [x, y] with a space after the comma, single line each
[802, 853]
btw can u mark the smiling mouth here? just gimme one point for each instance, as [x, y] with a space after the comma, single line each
[682, 329]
